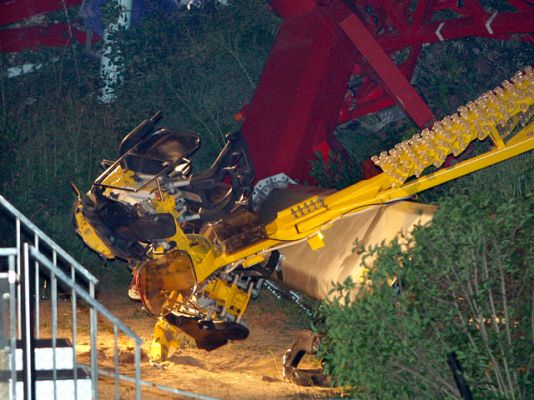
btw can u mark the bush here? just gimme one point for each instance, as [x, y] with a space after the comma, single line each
[467, 286]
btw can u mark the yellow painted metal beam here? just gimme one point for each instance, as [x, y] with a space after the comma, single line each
[500, 110]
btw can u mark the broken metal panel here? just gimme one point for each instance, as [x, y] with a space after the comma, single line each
[314, 272]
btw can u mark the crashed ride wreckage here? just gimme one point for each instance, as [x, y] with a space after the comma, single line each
[199, 248]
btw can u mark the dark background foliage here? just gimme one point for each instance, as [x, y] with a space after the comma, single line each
[199, 67]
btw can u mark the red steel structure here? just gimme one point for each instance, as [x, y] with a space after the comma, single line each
[17, 39]
[322, 45]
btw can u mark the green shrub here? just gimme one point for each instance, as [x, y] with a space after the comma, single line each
[467, 286]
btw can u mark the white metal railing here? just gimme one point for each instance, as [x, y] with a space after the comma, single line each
[8, 344]
[33, 258]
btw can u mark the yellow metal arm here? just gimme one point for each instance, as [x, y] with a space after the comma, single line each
[502, 116]
[484, 117]
[495, 115]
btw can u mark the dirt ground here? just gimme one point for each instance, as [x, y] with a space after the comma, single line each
[248, 369]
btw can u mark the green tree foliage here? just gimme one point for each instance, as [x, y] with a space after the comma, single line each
[201, 66]
[467, 286]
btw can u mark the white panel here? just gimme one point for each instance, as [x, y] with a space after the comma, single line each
[65, 390]
[44, 361]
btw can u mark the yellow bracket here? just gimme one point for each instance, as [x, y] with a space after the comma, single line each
[120, 178]
[164, 341]
[253, 260]
[230, 296]
[316, 241]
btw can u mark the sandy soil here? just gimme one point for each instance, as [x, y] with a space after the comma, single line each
[248, 369]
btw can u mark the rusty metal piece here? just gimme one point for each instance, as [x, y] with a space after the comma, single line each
[307, 342]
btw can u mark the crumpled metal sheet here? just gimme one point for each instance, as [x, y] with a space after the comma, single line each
[314, 272]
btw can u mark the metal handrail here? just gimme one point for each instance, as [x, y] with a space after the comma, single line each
[94, 305]
[157, 386]
[81, 292]
[43, 236]
[29, 259]
[11, 254]
[24, 309]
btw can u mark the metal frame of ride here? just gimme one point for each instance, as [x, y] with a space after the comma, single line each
[199, 278]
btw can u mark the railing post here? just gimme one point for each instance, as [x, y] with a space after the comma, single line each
[94, 345]
[28, 338]
[53, 297]
[37, 291]
[4, 334]
[12, 321]
[137, 369]
[24, 305]
[19, 268]
[74, 332]
[8, 279]
[116, 359]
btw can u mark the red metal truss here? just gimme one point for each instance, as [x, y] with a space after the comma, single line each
[12, 11]
[29, 38]
[418, 27]
[300, 94]
[392, 77]
[322, 45]
[332, 61]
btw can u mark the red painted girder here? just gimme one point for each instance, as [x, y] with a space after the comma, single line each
[397, 14]
[16, 10]
[502, 24]
[422, 12]
[386, 69]
[425, 9]
[369, 97]
[291, 114]
[475, 10]
[298, 98]
[367, 90]
[28, 38]
[293, 8]
[331, 143]
[408, 66]
[522, 5]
